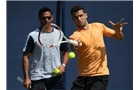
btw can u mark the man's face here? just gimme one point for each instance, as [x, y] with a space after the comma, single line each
[46, 18]
[79, 18]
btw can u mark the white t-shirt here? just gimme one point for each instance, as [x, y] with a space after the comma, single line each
[44, 60]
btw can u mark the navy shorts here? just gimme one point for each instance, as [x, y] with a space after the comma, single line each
[54, 83]
[91, 83]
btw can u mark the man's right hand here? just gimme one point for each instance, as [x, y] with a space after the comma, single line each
[78, 45]
[27, 83]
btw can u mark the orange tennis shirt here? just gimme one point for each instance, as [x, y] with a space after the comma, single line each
[92, 57]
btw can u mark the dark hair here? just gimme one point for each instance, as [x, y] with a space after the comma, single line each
[44, 9]
[77, 8]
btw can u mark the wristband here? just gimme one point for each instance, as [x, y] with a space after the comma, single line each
[64, 65]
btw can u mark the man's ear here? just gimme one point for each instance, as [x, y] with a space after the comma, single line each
[52, 17]
[86, 15]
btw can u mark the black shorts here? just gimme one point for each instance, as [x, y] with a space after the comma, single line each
[54, 83]
[91, 83]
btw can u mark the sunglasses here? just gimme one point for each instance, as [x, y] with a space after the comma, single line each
[44, 18]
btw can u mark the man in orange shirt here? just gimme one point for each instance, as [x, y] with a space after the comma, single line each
[93, 72]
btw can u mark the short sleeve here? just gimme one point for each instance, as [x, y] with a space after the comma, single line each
[64, 46]
[75, 36]
[106, 30]
[29, 45]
